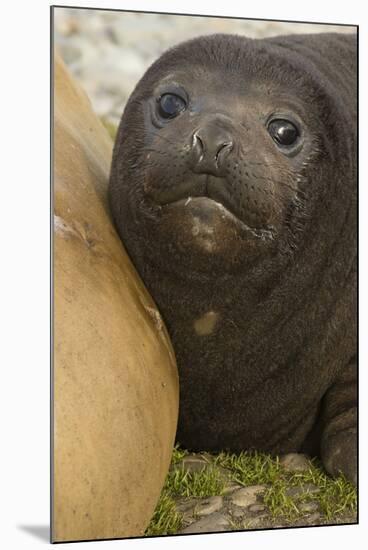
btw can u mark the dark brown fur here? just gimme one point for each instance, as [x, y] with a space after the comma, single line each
[272, 365]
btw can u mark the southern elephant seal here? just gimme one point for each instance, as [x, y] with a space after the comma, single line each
[233, 187]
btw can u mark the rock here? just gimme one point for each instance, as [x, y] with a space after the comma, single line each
[310, 488]
[231, 488]
[72, 52]
[247, 496]
[306, 488]
[193, 463]
[185, 504]
[311, 506]
[68, 26]
[185, 507]
[295, 462]
[209, 524]
[257, 508]
[293, 491]
[115, 382]
[238, 512]
[313, 519]
[209, 505]
[258, 522]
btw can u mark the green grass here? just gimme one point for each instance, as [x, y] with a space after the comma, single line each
[182, 483]
[166, 520]
[206, 483]
[178, 454]
[334, 497]
[284, 497]
[250, 468]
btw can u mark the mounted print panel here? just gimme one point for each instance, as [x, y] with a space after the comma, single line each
[204, 266]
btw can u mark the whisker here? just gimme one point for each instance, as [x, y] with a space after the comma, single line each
[279, 182]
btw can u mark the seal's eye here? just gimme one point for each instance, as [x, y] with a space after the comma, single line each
[170, 105]
[283, 132]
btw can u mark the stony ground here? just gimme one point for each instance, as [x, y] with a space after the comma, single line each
[205, 493]
[108, 52]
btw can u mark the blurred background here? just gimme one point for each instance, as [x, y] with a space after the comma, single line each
[108, 51]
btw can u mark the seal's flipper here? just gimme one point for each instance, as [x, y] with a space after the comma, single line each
[339, 437]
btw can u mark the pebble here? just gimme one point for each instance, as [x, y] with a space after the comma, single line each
[231, 488]
[295, 462]
[238, 513]
[209, 524]
[306, 488]
[256, 523]
[312, 519]
[192, 463]
[257, 508]
[247, 496]
[209, 505]
[185, 505]
[311, 506]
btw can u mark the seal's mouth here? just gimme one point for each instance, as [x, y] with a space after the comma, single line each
[201, 185]
[212, 199]
[205, 207]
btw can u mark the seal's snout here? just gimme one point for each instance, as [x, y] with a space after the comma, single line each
[211, 145]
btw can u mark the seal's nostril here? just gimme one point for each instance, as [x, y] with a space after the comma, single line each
[198, 146]
[223, 150]
[210, 146]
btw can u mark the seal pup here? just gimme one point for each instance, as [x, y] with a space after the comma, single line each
[233, 188]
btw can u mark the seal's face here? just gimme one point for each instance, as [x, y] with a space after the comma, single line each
[221, 162]
[218, 163]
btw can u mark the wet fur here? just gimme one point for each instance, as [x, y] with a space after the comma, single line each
[278, 373]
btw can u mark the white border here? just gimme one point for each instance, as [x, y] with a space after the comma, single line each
[24, 489]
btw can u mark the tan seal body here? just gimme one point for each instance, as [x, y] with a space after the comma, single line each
[115, 381]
